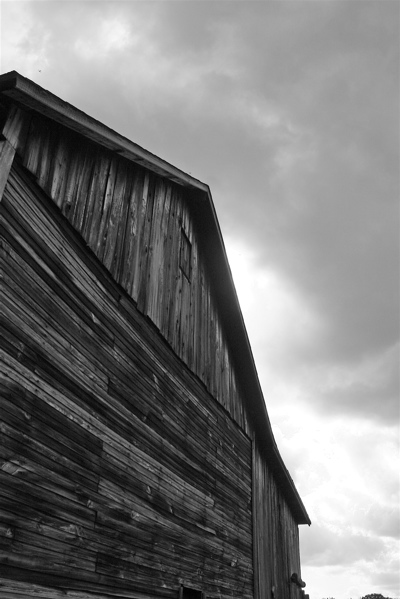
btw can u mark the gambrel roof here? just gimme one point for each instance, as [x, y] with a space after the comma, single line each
[32, 97]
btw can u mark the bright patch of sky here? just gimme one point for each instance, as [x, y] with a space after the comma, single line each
[111, 35]
[289, 111]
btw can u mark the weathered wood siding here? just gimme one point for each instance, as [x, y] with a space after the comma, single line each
[119, 473]
[276, 537]
[133, 220]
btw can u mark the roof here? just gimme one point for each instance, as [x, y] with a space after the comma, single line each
[31, 96]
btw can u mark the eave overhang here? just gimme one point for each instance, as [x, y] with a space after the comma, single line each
[31, 96]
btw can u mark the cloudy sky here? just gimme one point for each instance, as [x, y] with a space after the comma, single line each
[290, 112]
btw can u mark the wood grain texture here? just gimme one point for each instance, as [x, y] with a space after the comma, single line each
[128, 464]
[133, 221]
[273, 521]
[118, 470]
[7, 153]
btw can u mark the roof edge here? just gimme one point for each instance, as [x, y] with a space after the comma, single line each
[32, 96]
[260, 419]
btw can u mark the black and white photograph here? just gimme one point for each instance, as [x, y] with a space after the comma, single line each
[199, 263]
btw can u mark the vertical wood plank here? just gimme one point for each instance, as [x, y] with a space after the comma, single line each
[171, 253]
[106, 208]
[31, 152]
[140, 246]
[155, 255]
[16, 127]
[165, 269]
[58, 177]
[144, 272]
[97, 193]
[115, 213]
[80, 178]
[46, 154]
[7, 153]
[120, 252]
[133, 232]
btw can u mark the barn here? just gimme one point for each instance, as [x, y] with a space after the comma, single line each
[136, 457]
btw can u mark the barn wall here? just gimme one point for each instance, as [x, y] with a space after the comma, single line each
[119, 473]
[136, 222]
[276, 537]
[120, 470]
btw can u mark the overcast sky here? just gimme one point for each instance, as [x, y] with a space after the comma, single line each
[290, 112]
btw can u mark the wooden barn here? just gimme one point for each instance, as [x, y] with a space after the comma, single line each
[136, 454]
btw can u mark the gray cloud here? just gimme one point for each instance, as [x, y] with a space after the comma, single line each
[388, 579]
[325, 547]
[364, 388]
[384, 521]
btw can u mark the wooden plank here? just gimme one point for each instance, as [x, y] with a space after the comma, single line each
[115, 214]
[169, 263]
[54, 353]
[58, 175]
[32, 417]
[122, 242]
[53, 309]
[155, 256]
[7, 153]
[184, 384]
[74, 169]
[57, 278]
[35, 210]
[81, 191]
[44, 445]
[141, 218]
[15, 589]
[173, 417]
[107, 205]
[46, 155]
[16, 127]
[165, 265]
[166, 505]
[56, 505]
[15, 443]
[278, 548]
[48, 586]
[18, 513]
[144, 243]
[90, 583]
[31, 151]
[35, 543]
[132, 233]
[97, 193]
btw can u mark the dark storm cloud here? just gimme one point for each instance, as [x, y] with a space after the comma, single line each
[339, 238]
